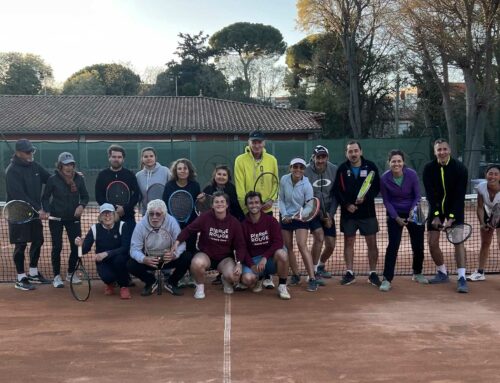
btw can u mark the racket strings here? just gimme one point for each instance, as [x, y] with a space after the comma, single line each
[16, 211]
[118, 194]
[459, 233]
[181, 206]
[155, 192]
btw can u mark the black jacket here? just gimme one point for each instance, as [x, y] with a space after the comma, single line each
[234, 206]
[445, 188]
[58, 199]
[347, 186]
[24, 181]
[192, 187]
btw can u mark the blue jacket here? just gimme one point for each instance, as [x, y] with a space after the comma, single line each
[293, 197]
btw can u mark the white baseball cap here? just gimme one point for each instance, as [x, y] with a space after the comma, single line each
[297, 160]
[106, 207]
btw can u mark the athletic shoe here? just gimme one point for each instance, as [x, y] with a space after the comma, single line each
[258, 286]
[374, 279]
[38, 279]
[312, 285]
[109, 289]
[440, 277]
[217, 280]
[58, 282]
[348, 279]
[294, 280]
[268, 283]
[186, 281]
[174, 290]
[240, 287]
[76, 280]
[200, 292]
[283, 292]
[125, 293]
[323, 273]
[420, 278]
[385, 286]
[319, 280]
[227, 286]
[476, 276]
[24, 284]
[462, 285]
[149, 289]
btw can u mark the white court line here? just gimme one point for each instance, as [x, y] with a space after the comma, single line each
[227, 341]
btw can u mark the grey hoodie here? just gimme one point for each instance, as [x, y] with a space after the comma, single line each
[145, 178]
[143, 228]
[322, 184]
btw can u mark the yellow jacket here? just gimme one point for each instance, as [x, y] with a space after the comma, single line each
[246, 171]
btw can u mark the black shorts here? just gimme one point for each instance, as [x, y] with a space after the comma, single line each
[316, 223]
[442, 218]
[215, 263]
[366, 226]
[26, 232]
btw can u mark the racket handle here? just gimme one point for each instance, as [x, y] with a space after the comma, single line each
[80, 253]
[54, 218]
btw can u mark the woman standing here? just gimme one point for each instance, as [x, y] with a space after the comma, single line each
[65, 196]
[112, 243]
[401, 194]
[151, 173]
[295, 190]
[488, 196]
[221, 181]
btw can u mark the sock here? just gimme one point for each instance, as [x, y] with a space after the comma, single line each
[282, 281]
[316, 268]
[442, 268]
[21, 276]
[200, 287]
[480, 271]
[373, 272]
[321, 263]
[461, 272]
[350, 272]
[33, 271]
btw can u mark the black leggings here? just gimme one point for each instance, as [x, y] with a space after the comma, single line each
[73, 230]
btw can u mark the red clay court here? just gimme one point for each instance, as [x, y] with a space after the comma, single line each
[414, 333]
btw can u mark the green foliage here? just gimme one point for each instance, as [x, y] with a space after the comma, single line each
[23, 73]
[115, 79]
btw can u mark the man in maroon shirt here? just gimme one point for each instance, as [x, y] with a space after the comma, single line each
[221, 245]
[264, 242]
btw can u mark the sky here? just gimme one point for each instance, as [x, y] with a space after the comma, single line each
[71, 34]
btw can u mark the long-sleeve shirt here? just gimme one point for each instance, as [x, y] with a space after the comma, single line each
[192, 187]
[400, 199]
[263, 237]
[106, 176]
[230, 190]
[347, 186]
[113, 241]
[219, 238]
[145, 178]
[445, 188]
[293, 197]
[322, 184]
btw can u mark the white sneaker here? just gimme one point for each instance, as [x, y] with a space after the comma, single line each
[258, 286]
[268, 283]
[199, 292]
[58, 282]
[283, 292]
[76, 280]
[476, 276]
[228, 287]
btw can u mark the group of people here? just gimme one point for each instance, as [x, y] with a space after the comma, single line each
[239, 236]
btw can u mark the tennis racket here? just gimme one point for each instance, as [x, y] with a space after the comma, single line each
[79, 282]
[267, 184]
[156, 243]
[17, 211]
[420, 212]
[154, 191]
[458, 234]
[180, 205]
[118, 193]
[308, 211]
[493, 215]
[365, 187]
[203, 204]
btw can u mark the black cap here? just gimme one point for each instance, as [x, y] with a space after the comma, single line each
[256, 135]
[320, 149]
[24, 145]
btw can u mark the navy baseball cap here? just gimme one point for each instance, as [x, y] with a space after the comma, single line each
[24, 145]
[256, 135]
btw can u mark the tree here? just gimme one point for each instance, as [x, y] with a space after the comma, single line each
[116, 79]
[250, 42]
[358, 25]
[23, 73]
[85, 83]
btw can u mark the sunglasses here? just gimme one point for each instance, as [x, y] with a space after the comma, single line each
[155, 214]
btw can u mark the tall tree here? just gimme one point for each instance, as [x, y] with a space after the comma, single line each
[115, 78]
[249, 42]
[23, 73]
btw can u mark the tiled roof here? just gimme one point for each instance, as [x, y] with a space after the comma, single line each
[147, 115]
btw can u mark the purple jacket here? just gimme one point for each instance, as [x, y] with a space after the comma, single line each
[400, 198]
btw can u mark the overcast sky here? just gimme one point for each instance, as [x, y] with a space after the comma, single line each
[70, 35]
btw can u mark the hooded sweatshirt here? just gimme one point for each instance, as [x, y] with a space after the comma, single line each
[293, 197]
[145, 178]
[322, 184]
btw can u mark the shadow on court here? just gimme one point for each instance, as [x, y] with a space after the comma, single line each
[354, 333]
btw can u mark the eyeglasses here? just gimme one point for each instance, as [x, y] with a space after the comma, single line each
[298, 167]
[155, 214]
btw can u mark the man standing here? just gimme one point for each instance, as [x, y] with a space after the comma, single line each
[24, 178]
[445, 182]
[116, 172]
[264, 242]
[321, 173]
[357, 213]
[247, 168]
